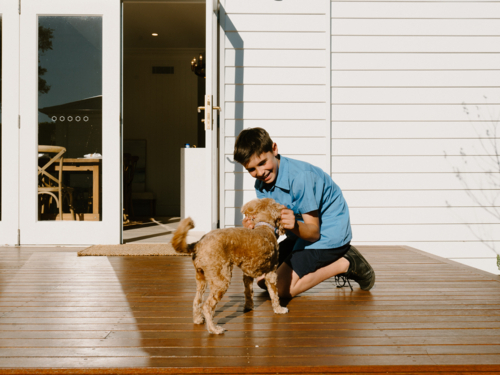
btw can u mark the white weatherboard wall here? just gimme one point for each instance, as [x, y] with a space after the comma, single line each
[415, 88]
[275, 71]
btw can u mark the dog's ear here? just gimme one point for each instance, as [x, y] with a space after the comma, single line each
[276, 209]
[249, 207]
[244, 209]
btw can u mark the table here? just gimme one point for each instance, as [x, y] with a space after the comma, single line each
[86, 165]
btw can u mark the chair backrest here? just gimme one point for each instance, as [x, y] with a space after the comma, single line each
[59, 151]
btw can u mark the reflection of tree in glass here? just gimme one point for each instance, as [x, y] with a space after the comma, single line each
[45, 35]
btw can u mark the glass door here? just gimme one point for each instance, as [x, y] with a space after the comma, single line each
[9, 114]
[70, 122]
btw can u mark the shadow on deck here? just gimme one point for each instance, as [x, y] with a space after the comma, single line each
[60, 314]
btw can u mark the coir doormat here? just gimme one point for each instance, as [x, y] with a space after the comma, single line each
[130, 250]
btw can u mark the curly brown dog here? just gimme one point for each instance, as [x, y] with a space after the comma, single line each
[255, 251]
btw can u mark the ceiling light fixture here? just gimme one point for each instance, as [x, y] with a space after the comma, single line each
[154, 34]
[198, 66]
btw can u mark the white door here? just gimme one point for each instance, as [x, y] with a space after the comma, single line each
[70, 106]
[9, 115]
[211, 105]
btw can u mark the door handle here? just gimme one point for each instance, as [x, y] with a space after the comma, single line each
[208, 115]
[203, 108]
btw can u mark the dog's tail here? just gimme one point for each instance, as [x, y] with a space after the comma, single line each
[179, 238]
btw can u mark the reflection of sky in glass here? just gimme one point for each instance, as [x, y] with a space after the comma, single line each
[74, 65]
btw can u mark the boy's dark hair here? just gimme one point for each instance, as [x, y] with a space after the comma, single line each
[253, 141]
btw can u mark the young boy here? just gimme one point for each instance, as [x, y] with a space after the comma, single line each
[316, 217]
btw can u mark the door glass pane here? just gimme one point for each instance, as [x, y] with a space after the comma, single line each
[69, 117]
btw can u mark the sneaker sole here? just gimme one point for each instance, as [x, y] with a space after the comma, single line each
[372, 283]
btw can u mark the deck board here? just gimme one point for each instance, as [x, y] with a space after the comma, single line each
[61, 314]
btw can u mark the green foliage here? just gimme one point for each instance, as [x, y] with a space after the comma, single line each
[45, 36]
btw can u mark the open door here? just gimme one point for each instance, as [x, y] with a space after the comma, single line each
[211, 107]
[70, 161]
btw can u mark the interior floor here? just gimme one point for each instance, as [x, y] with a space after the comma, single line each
[150, 230]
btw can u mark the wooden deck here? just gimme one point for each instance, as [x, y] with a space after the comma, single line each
[60, 314]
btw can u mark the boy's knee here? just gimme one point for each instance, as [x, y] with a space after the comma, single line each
[284, 290]
[284, 293]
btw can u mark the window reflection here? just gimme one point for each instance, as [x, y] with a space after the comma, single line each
[69, 117]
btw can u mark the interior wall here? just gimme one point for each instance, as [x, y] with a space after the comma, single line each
[162, 109]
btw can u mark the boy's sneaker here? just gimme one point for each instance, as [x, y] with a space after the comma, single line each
[359, 269]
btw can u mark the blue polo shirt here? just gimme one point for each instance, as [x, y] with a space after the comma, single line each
[303, 188]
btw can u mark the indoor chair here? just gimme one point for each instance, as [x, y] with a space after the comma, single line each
[51, 185]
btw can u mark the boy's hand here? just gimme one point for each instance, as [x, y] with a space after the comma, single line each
[307, 230]
[288, 218]
[248, 222]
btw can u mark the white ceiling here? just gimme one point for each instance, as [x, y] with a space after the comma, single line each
[178, 24]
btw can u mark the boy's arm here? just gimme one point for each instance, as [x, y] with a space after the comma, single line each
[307, 230]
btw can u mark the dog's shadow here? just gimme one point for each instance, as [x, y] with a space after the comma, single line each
[238, 301]
[260, 296]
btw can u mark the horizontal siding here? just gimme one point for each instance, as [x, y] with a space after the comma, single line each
[275, 111]
[291, 146]
[388, 198]
[403, 112]
[414, 86]
[422, 215]
[415, 9]
[381, 181]
[411, 27]
[407, 181]
[275, 93]
[430, 78]
[275, 58]
[425, 233]
[275, 22]
[419, 164]
[276, 76]
[411, 198]
[415, 96]
[275, 40]
[410, 147]
[276, 128]
[414, 61]
[231, 166]
[272, 7]
[403, 216]
[426, 44]
[410, 129]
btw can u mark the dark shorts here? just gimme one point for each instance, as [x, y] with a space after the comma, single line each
[308, 260]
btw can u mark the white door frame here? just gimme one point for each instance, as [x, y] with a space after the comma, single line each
[108, 230]
[211, 116]
[9, 222]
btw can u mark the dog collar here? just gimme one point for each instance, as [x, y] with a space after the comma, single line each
[262, 223]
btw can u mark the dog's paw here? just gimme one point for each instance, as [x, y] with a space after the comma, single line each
[248, 307]
[218, 330]
[280, 310]
[198, 319]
